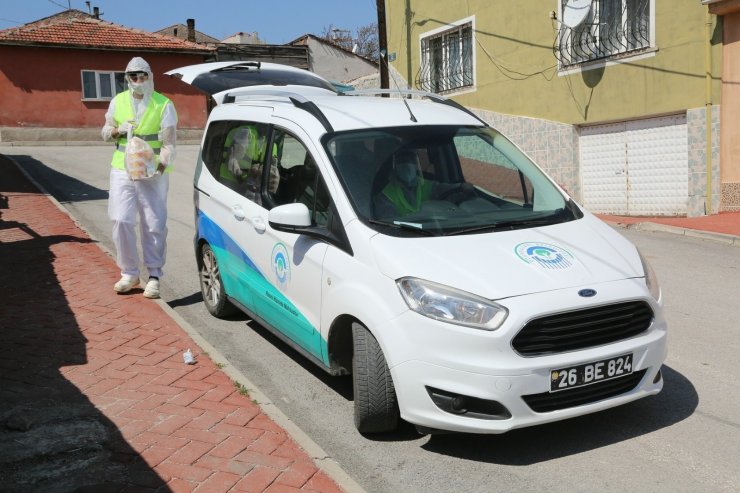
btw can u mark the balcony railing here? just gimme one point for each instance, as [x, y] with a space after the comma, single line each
[612, 28]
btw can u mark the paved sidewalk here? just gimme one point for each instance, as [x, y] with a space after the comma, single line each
[723, 227]
[94, 393]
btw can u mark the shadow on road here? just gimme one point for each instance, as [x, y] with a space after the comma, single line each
[676, 402]
[188, 300]
[52, 437]
[63, 187]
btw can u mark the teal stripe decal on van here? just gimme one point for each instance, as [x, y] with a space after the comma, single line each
[244, 281]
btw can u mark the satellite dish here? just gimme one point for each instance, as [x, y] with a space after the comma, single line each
[575, 12]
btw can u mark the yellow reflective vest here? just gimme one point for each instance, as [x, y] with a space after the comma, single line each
[147, 129]
[395, 195]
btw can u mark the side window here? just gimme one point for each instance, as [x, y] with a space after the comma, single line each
[294, 177]
[234, 153]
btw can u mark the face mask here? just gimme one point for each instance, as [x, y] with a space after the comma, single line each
[406, 173]
[142, 88]
[137, 87]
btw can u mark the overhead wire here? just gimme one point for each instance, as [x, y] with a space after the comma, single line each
[517, 75]
[65, 7]
[11, 21]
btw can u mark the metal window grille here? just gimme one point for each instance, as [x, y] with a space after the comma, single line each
[612, 28]
[447, 60]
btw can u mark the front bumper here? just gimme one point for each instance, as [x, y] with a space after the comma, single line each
[424, 354]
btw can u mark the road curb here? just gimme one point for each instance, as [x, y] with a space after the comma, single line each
[322, 459]
[726, 239]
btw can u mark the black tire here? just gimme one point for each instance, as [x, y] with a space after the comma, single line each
[211, 286]
[376, 407]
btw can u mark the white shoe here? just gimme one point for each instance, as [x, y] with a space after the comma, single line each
[152, 289]
[126, 284]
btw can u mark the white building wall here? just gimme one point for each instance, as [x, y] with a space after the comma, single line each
[336, 64]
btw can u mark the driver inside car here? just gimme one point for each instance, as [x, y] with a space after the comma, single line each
[407, 189]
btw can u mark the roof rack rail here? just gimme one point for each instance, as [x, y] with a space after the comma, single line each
[256, 65]
[412, 92]
[298, 100]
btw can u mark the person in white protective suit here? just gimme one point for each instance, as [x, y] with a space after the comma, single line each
[140, 112]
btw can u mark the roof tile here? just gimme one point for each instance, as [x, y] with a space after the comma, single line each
[78, 29]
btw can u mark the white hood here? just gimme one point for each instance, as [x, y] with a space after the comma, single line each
[499, 265]
[146, 88]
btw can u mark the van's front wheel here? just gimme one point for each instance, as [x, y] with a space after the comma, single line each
[376, 408]
[211, 286]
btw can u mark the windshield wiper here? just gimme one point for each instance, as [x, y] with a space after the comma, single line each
[497, 226]
[404, 226]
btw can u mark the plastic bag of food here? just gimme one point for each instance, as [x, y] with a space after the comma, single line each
[139, 159]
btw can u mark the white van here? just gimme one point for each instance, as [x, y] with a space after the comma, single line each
[409, 244]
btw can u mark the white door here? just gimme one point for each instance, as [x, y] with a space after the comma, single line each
[637, 167]
[288, 296]
[657, 160]
[604, 168]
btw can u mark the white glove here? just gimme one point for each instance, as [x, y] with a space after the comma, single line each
[234, 167]
[164, 156]
[124, 127]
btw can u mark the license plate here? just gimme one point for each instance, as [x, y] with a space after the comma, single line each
[586, 374]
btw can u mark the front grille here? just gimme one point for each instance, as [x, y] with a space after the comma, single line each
[554, 401]
[580, 329]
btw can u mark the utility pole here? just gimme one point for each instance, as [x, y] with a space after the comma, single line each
[382, 44]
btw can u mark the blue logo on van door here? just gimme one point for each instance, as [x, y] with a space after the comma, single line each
[587, 293]
[281, 265]
[544, 255]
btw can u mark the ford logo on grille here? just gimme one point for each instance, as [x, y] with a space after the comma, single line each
[587, 293]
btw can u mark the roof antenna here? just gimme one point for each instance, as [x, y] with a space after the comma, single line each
[383, 54]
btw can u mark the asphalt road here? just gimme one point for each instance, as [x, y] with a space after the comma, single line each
[686, 439]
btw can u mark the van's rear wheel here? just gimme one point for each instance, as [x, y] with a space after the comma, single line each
[376, 408]
[211, 286]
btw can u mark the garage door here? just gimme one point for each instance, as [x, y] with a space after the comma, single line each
[637, 168]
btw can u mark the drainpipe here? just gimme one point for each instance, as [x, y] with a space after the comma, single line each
[408, 43]
[708, 107]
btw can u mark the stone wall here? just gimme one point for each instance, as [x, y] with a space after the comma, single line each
[697, 169]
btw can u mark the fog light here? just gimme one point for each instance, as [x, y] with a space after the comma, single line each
[458, 404]
[470, 407]
[658, 377]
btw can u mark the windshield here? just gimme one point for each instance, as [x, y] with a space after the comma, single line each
[443, 180]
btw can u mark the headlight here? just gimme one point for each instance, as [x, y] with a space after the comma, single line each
[650, 278]
[451, 305]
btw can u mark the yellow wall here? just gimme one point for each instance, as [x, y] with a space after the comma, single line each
[516, 37]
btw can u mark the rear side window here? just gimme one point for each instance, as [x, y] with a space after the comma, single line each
[234, 152]
[244, 76]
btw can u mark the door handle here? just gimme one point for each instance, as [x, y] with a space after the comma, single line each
[238, 212]
[259, 224]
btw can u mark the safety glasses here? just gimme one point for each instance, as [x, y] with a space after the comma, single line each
[136, 76]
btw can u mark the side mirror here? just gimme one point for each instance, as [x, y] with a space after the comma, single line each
[296, 219]
[289, 217]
